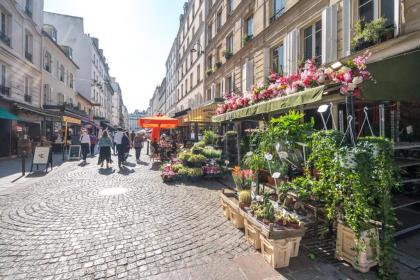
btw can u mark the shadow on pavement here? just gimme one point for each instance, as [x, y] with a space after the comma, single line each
[156, 166]
[125, 171]
[130, 164]
[36, 174]
[106, 171]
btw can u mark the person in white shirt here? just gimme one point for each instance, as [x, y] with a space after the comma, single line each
[118, 141]
[85, 143]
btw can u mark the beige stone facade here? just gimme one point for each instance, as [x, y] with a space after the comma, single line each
[285, 33]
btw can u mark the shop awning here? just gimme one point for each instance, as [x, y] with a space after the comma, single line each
[4, 114]
[396, 78]
[202, 114]
[158, 122]
[274, 105]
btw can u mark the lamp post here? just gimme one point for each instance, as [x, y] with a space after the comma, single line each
[198, 49]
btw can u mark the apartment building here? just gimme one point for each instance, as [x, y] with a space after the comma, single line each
[191, 36]
[20, 72]
[117, 103]
[171, 79]
[93, 80]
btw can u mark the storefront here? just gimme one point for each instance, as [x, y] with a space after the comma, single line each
[199, 120]
[8, 137]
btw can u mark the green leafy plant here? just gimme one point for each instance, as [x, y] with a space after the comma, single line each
[210, 137]
[246, 38]
[212, 153]
[227, 54]
[197, 158]
[209, 71]
[368, 32]
[177, 167]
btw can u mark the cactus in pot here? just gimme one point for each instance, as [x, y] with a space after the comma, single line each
[245, 198]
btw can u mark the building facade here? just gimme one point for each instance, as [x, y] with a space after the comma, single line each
[191, 42]
[93, 77]
[133, 119]
[20, 72]
[171, 79]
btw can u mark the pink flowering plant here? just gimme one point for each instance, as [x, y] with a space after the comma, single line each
[168, 174]
[350, 77]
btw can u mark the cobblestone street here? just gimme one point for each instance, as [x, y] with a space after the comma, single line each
[86, 223]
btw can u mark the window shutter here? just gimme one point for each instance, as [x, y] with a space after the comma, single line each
[244, 76]
[396, 17]
[249, 75]
[223, 87]
[329, 34]
[346, 27]
[266, 53]
[291, 51]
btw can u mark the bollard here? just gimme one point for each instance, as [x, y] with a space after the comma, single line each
[148, 144]
[23, 163]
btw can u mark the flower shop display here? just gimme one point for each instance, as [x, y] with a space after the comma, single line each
[349, 77]
[243, 178]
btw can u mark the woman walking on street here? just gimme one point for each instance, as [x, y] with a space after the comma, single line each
[93, 141]
[138, 144]
[105, 144]
[85, 143]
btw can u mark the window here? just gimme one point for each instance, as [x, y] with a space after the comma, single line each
[277, 59]
[29, 8]
[198, 73]
[229, 7]
[28, 46]
[230, 84]
[366, 10]
[219, 20]
[210, 61]
[249, 26]
[47, 94]
[3, 75]
[191, 58]
[191, 81]
[312, 41]
[279, 7]
[209, 32]
[229, 44]
[61, 73]
[3, 29]
[60, 99]
[186, 85]
[28, 97]
[71, 80]
[387, 11]
[47, 61]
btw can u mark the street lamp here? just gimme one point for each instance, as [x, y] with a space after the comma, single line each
[198, 50]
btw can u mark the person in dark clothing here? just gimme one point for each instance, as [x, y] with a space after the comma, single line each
[138, 144]
[125, 147]
[93, 141]
[85, 143]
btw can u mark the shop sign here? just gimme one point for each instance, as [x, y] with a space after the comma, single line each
[19, 128]
[71, 120]
[74, 152]
[41, 155]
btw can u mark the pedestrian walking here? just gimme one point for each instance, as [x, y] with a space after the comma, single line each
[85, 143]
[105, 144]
[132, 135]
[126, 144]
[117, 140]
[138, 144]
[93, 141]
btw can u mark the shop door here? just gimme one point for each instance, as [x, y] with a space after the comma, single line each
[5, 147]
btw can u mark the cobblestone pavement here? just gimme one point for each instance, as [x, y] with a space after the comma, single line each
[86, 223]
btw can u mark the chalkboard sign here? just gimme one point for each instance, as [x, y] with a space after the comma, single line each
[74, 151]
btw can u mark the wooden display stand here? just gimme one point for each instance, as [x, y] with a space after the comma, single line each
[230, 201]
[252, 234]
[345, 243]
[276, 252]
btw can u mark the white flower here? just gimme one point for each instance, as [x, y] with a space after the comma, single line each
[276, 175]
[268, 156]
[351, 86]
[357, 80]
[249, 154]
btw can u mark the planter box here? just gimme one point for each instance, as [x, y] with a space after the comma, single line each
[276, 252]
[252, 234]
[225, 209]
[295, 243]
[235, 213]
[346, 242]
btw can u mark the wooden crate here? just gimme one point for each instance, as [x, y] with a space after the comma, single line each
[252, 234]
[276, 252]
[236, 218]
[225, 209]
[295, 243]
[346, 241]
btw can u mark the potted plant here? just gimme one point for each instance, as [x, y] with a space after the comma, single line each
[195, 174]
[227, 54]
[246, 38]
[209, 71]
[368, 33]
[243, 178]
[244, 198]
[217, 65]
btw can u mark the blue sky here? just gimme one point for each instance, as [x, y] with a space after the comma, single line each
[136, 36]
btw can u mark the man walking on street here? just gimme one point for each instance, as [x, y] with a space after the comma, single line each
[85, 143]
[118, 141]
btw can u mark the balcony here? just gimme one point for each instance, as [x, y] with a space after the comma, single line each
[4, 38]
[28, 56]
[4, 90]
[28, 98]
[277, 14]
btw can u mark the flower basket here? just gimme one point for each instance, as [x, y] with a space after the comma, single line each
[363, 260]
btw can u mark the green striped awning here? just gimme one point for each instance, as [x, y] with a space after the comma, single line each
[4, 114]
[274, 105]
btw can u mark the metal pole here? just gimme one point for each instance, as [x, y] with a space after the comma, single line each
[148, 146]
[350, 112]
[23, 163]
